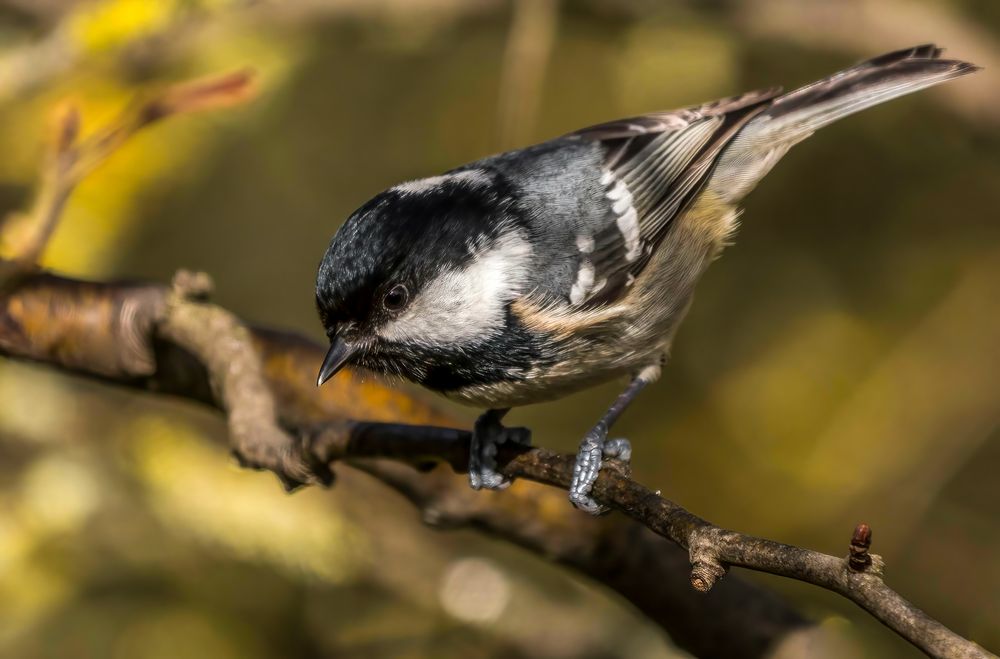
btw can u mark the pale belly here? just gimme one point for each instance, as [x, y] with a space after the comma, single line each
[541, 388]
[643, 336]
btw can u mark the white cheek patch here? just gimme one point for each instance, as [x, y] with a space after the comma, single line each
[469, 177]
[469, 303]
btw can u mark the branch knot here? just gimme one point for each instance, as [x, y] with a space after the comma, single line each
[706, 567]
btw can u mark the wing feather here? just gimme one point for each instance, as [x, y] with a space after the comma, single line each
[653, 167]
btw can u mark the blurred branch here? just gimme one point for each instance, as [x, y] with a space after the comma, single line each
[80, 326]
[57, 182]
[530, 39]
[63, 48]
[71, 158]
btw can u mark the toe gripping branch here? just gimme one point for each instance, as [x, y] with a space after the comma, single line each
[596, 446]
[594, 449]
[488, 434]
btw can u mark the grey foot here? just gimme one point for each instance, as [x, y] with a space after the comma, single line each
[487, 435]
[593, 449]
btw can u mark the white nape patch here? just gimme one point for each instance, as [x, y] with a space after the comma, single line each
[628, 220]
[465, 304]
[470, 177]
[584, 282]
[585, 244]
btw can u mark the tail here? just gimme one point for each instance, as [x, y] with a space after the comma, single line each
[795, 116]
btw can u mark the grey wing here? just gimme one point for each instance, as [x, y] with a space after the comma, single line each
[653, 167]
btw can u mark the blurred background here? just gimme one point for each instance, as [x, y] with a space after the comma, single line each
[841, 362]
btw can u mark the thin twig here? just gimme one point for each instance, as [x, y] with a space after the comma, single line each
[712, 549]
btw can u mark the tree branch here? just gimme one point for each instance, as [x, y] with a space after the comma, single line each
[712, 549]
[80, 326]
[220, 341]
[71, 158]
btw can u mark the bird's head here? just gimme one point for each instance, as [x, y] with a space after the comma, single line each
[420, 272]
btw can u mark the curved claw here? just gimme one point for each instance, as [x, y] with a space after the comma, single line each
[587, 504]
[618, 449]
[487, 435]
[593, 449]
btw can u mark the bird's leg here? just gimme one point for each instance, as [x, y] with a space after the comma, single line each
[487, 435]
[596, 446]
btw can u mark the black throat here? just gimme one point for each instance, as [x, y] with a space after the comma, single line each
[507, 356]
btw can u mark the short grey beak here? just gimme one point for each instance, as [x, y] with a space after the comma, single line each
[338, 354]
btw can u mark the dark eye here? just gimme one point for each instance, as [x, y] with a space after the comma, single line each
[396, 298]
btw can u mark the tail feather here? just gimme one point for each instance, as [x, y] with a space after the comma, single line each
[796, 115]
[923, 52]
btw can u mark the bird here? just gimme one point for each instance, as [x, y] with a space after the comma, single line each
[529, 275]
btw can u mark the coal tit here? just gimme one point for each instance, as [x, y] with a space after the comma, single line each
[532, 274]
